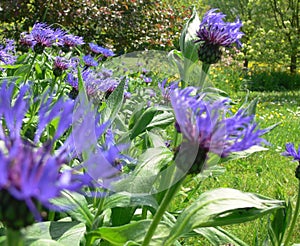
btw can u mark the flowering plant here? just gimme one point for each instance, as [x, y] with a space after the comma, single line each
[93, 151]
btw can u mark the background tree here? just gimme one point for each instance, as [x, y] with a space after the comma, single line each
[271, 29]
[286, 18]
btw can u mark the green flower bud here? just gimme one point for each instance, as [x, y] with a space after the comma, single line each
[209, 53]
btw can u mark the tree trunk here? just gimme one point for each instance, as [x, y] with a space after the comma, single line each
[293, 65]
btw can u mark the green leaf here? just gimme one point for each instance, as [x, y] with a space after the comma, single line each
[45, 242]
[161, 120]
[12, 66]
[145, 176]
[113, 103]
[22, 70]
[81, 87]
[244, 153]
[39, 72]
[121, 215]
[130, 233]
[64, 232]
[188, 36]
[125, 199]
[222, 206]
[76, 206]
[218, 236]
[142, 122]
[278, 224]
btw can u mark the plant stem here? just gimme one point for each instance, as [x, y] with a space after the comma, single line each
[204, 72]
[162, 208]
[30, 67]
[14, 238]
[295, 215]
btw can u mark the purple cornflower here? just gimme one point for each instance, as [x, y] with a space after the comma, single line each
[101, 50]
[70, 40]
[204, 124]
[291, 151]
[214, 32]
[166, 89]
[89, 61]
[30, 172]
[60, 64]
[96, 83]
[147, 79]
[7, 52]
[42, 36]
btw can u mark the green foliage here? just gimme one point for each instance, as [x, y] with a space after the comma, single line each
[124, 26]
[270, 29]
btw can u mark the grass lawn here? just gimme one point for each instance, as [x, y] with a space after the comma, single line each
[267, 173]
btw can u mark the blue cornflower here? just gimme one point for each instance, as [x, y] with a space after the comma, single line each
[89, 61]
[291, 151]
[31, 173]
[42, 36]
[96, 83]
[166, 88]
[60, 64]
[101, 50]
[7, 52]
[213, 33]
[204, 124]
[70, 40]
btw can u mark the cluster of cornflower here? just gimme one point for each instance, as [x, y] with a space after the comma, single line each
[35, 168]
[7, 52]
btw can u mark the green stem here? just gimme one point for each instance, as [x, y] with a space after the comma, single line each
[161, 210]
[204, 72]
[295, 215]
[31, 65]
[14, 238]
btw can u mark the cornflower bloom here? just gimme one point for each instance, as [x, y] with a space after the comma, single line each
[166, 89]
[213, 33]
[69, 41]
[89, 61]
[97, 84]
[101, 50]
[7, 52]
[205, 127]
[30, 172]
[60, 64]
[291, 151]
[42, 36]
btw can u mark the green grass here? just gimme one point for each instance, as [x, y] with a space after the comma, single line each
[267, 173]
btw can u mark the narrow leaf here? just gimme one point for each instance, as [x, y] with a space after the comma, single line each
[113, 103]
[222, 206]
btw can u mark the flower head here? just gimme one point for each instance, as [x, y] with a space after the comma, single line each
[291, 151]
[215, 32]
[167, 89]
[70, 40]
[89, 61]
[96, 83]
[101, 50]
[42, 36]
[31, 172]
[60, 64]
[7, 52]
[203, 123]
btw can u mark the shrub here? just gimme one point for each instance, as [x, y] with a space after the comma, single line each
[124, 26]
